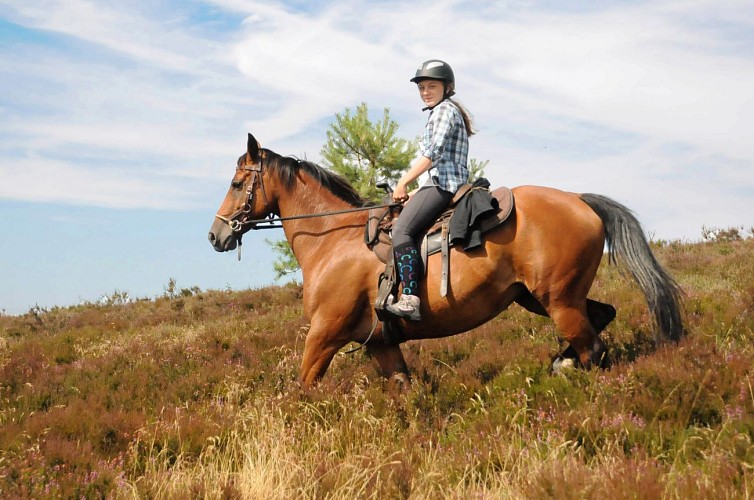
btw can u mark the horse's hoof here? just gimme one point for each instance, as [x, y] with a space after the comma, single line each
[399, 382]
[562, 365]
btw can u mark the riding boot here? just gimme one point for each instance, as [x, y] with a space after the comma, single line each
[408, 266]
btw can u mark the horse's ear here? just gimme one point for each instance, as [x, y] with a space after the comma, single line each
[252, 147]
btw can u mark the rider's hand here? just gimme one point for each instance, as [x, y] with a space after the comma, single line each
[400, 194]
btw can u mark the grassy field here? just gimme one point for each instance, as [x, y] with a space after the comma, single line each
[194, 394]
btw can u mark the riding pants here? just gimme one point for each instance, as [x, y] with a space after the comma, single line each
[419, 213]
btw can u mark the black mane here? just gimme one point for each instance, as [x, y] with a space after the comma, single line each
[287, 167]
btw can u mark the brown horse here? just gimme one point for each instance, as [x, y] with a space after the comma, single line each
[544, 257]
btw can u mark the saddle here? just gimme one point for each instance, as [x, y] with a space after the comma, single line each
[473, 211]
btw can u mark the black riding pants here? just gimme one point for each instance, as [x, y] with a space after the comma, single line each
[424, 207]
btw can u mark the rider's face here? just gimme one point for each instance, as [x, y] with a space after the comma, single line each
[431, 92]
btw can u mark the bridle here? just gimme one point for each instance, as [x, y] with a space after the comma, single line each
[240, 218]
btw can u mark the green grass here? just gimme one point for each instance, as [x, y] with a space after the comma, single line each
[195, 395]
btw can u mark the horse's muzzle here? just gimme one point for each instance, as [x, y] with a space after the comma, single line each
[222, 238]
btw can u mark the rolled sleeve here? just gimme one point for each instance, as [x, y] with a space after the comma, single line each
[437, 132]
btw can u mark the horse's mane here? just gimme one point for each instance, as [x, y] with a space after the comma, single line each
[288, 166]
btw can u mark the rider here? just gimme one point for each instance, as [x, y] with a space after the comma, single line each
[444, 152]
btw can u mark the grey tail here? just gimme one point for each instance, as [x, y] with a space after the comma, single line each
[625, 239]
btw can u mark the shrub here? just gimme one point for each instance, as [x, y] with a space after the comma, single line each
[196, 394]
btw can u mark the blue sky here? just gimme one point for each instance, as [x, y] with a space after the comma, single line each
[120, 122]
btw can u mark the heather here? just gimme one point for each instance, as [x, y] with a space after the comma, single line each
[194, 395]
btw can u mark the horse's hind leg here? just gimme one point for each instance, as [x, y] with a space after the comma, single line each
[578, 331]
[600, 315]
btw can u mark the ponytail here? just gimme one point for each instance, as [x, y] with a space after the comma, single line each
[467, 121]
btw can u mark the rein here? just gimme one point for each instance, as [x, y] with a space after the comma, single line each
[237, 225]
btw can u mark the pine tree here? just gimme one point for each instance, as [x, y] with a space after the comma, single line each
[476, 168]
[365, 152]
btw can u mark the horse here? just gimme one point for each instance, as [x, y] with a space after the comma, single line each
[544, 257]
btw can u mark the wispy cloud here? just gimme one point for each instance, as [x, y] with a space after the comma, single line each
[647, 101]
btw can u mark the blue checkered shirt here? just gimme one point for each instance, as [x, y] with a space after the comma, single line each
[446, 143]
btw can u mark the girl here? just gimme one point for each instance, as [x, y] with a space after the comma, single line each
[444, 152]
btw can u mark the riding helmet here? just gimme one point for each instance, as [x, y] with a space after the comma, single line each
[435, 69]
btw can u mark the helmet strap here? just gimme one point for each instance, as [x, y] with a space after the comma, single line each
[445, 98]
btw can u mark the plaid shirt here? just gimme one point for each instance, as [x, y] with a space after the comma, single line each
[446, 143]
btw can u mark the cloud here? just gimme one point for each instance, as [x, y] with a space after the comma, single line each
[50, 181]
[638, 70]
[114, 26]
[320, 65]
[634, 99]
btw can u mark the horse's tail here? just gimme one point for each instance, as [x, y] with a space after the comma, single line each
[625, 238]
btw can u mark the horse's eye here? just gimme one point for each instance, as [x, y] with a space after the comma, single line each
[237, 184]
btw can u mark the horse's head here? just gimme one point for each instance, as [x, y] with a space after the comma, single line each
[247, 199]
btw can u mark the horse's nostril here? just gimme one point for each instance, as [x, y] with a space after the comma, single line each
[211, 237]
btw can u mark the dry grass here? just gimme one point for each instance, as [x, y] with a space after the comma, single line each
[195, 395]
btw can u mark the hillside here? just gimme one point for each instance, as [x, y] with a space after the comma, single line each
[194, 394]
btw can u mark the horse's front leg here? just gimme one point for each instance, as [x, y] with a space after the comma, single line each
[320, 347]
[392, 364]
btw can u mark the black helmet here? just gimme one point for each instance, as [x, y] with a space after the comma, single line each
[434, 69]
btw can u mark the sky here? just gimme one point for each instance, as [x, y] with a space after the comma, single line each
[120, 122]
